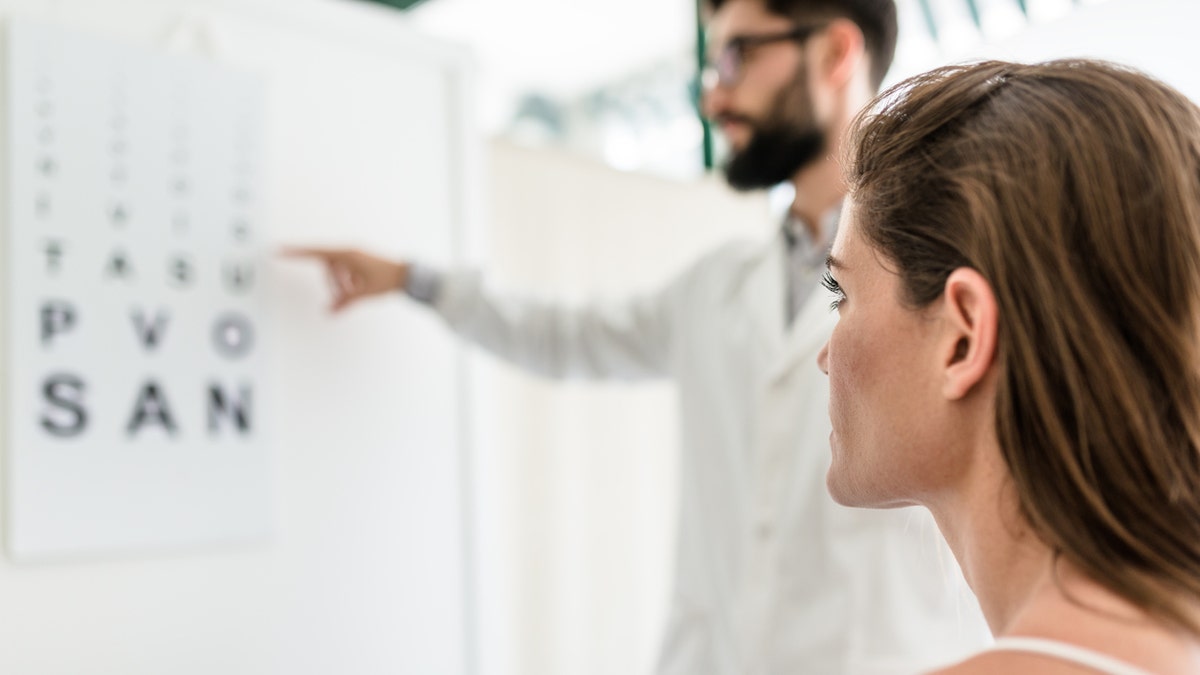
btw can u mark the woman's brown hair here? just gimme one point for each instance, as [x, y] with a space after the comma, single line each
[1073, 187]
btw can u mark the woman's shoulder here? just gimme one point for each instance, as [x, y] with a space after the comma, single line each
[1006, 663]
[1042, 656]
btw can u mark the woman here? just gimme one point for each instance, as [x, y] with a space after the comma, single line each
[1018, 282]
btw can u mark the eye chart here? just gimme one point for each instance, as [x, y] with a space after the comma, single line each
[135, 346]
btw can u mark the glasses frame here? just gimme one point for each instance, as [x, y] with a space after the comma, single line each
[728, 68]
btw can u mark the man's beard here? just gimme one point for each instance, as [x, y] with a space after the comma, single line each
[787, 140]
[773, 156]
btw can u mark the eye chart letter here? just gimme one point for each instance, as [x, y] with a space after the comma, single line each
[135, 348]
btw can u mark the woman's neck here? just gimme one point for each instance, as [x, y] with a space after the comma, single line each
[1024, 589]
[1002, 559]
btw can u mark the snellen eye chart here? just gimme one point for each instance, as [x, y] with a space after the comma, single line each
[134, 374]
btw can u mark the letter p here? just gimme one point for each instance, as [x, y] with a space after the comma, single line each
[57, 317]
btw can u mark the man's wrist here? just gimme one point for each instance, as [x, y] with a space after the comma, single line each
[422, 283]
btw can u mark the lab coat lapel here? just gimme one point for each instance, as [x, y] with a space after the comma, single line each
[763, 285]
[808, 333]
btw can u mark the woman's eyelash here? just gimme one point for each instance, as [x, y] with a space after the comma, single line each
[832, 286]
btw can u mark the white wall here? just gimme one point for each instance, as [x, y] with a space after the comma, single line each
[577, 481]
[1158, 36]
[365, 571]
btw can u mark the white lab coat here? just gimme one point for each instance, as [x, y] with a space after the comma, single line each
[771, 576]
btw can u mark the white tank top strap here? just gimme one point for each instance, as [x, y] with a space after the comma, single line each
[1067, 652]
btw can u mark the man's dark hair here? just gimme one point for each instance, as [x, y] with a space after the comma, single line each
[875, 18]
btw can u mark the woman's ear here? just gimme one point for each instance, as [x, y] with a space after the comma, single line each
[843, 52]
[970, 319]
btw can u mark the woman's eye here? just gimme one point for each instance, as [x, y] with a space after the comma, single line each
[832, 286]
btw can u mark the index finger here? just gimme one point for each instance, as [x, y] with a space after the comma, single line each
[325, 254]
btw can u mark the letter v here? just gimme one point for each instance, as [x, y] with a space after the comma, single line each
[150, 334]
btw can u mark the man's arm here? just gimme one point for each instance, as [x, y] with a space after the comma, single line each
[628, 339]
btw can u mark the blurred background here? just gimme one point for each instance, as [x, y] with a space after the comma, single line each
[598, 183]
[618, 83]
[435, 511]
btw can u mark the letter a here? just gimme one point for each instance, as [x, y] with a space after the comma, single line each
[151, 406]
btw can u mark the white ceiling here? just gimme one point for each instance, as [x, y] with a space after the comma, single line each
[564, 48]
[561, 48]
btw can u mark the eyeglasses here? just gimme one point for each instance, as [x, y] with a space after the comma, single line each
[726, 70]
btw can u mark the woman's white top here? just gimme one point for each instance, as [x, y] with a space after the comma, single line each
[1067, 652]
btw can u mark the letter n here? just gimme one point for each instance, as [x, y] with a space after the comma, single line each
[237, 410]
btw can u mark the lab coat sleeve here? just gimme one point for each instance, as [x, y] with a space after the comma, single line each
[628, 339]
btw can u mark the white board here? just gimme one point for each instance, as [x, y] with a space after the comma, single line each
[133, 279]
[366, 139]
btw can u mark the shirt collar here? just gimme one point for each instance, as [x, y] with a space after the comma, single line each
[799, 238]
